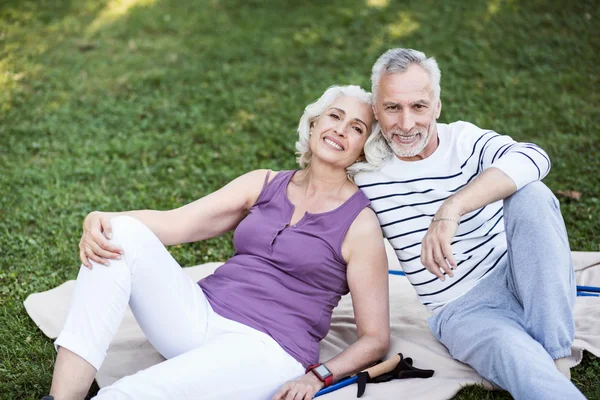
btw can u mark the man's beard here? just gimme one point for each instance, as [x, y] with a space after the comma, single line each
[412, 149]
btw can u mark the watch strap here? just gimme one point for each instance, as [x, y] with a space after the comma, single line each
[327, 380]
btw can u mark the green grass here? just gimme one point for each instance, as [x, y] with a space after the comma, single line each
[167, 101]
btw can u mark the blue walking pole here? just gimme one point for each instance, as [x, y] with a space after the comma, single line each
[396, 367]
[589, 289]
[585, 294]
[337, 385]
[582, 291]
[372, 372]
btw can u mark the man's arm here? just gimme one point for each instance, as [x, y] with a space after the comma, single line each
[507, 166]
[492, 185]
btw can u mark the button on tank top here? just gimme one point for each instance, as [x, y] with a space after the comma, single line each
[285, 280]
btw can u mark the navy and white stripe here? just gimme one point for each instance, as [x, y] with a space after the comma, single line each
[405, 195]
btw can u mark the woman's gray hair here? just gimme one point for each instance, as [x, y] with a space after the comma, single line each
[398, 60]
[314, 110]
[377, 152]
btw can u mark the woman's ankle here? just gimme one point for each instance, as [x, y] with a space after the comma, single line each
[72, 376]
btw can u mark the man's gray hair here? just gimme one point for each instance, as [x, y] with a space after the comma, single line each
[397, 61]
[314, 110]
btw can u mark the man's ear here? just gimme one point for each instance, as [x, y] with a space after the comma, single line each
[374, 111]
[438, 110]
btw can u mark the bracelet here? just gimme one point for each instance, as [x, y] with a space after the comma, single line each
[434, 219]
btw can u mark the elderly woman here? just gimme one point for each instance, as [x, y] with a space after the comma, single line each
[252, 329]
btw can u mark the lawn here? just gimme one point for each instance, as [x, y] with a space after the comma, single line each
[128, 104]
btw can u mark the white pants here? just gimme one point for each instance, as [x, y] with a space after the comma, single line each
[208, 356]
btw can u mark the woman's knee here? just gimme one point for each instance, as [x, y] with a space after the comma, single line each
[124, 224]
[127, 230]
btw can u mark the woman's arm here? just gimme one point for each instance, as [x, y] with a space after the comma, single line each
[367, 274]
[210, 216]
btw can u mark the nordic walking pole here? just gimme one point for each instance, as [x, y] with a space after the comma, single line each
[373, 372]
[581, 290]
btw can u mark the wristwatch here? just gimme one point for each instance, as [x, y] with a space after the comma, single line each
[322, 372]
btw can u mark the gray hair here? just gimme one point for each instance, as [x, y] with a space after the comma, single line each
[314, 110]
[398, 60]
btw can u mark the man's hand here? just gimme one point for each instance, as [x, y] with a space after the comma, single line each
[436, 251]
[302, 388]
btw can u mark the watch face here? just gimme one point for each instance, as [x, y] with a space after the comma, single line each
[322, 371]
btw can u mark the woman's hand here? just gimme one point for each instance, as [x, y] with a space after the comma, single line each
[302, 388]
[94, 244]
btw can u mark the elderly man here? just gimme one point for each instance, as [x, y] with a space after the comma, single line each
[478, 235]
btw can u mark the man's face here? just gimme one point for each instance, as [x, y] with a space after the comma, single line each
[407, 112]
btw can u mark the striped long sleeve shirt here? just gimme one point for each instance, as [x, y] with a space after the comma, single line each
[405, 195]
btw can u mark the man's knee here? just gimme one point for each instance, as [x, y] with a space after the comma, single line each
[531, 202]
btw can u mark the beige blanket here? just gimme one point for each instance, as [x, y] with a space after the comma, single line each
[130, 351]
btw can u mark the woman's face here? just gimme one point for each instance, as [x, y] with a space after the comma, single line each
[339, 134]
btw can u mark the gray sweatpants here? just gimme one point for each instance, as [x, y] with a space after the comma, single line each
[512, 325]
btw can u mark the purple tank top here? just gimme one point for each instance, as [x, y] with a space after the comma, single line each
[285, 280]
